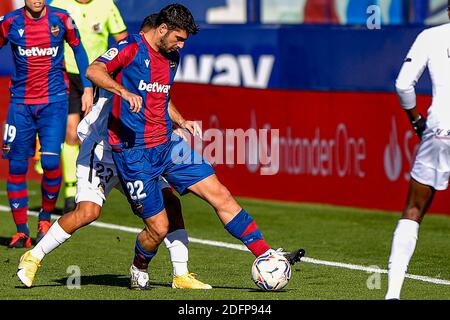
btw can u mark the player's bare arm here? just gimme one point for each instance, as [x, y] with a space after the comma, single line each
[99, 75]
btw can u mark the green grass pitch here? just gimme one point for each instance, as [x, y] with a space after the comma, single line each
[336, 234]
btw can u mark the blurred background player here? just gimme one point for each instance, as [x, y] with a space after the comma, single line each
[431, 169]
[138, 143]
[38, 105]
[96, 20]
[94, 186]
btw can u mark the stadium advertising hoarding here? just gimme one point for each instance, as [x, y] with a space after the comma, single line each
[352, 149]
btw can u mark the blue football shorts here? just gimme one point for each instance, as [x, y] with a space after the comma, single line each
[49, 121]
[139, 170]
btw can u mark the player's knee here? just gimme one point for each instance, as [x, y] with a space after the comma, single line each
[50, 161]
[87, 214]
[18, 167]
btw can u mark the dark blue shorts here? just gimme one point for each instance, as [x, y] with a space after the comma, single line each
[49, 121]
[139, 171]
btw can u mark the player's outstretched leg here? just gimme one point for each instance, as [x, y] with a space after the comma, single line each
[16, 186]
[60, 231]
[176, 242]
[51, 184]
[236, 220]
[405, 236]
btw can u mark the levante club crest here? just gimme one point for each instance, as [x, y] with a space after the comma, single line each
[55, 30]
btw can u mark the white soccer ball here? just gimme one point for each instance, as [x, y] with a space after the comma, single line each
[271, 271]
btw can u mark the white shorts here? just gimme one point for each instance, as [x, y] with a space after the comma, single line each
[97, 174]
[432, 163]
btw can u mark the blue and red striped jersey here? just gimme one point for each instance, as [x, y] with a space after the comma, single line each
[38, 51]
[150, 74]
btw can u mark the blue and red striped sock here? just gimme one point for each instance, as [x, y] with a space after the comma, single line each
[51, 184]
[16, 186]
[141, 257]
[244, 228]
[18, 200]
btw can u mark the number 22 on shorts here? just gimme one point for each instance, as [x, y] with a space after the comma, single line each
[136, 189]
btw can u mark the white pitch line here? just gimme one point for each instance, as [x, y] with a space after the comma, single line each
[243, 248]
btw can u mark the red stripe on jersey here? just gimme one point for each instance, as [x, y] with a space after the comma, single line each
[155, 132]
[71, 36]
[114, 127]
[37, 33]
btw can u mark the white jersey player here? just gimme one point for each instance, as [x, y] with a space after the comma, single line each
[431, 169]
[97, 176]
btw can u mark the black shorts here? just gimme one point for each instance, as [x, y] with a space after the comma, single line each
[76, 90]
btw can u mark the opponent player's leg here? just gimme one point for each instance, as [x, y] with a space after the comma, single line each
[18, 146]
[71, 145]
[177, 241]
[93, 188]
[430, 172]
[406, 234]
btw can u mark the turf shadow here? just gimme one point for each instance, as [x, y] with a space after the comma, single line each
[4, 242]
[111, 280]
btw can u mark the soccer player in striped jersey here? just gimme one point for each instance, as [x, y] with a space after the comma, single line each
[143, 68]
[38, 104]
[96, 177]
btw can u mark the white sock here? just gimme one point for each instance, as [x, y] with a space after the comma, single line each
[402, 249]
[177, 244]
[54, 237]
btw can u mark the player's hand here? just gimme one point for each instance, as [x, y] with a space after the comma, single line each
[193, 127]
[419, 125]
[134, 100]
[87, 100]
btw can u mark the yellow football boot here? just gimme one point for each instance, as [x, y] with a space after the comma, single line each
[28, 266]
[188, 281]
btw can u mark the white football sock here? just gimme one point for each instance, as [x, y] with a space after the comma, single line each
[54, 237]
[177, 244]
[402, 249]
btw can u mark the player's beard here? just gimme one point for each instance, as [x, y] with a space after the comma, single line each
[164, 44]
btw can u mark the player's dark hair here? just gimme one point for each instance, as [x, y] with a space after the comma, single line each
[177, 16]
[149, 21]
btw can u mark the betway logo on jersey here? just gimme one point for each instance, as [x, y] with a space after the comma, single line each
[154, 87]
[38, 52]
